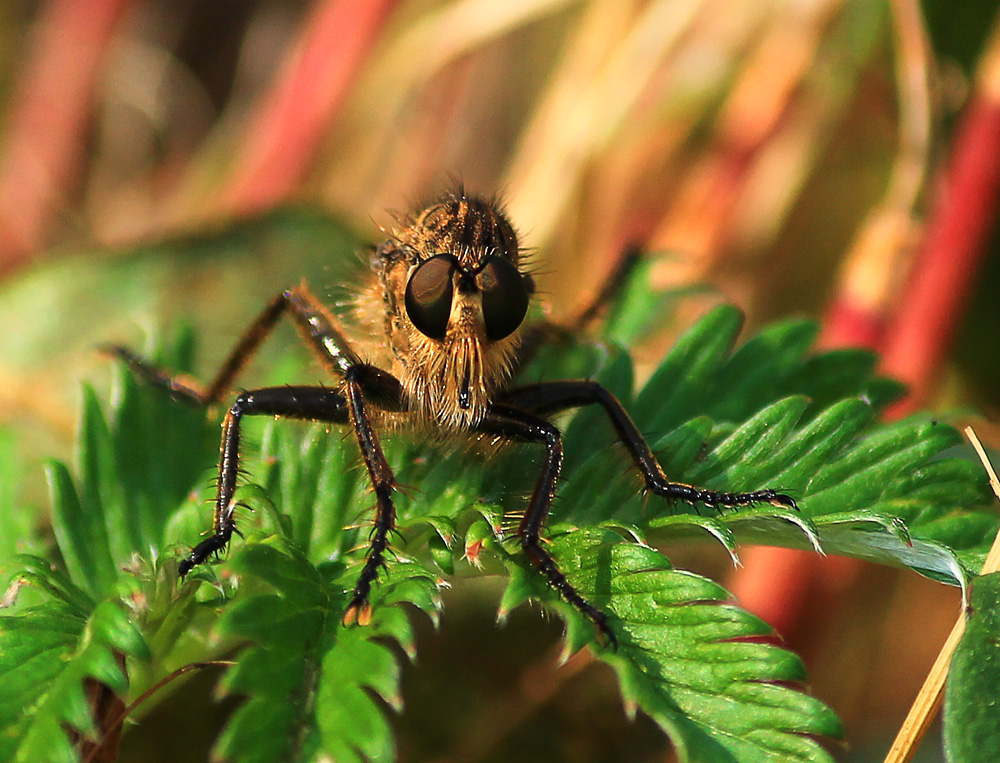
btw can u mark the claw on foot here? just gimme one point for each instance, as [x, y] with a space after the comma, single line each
[606, 638]
[784, 501]
[211, 545]
[359, 612]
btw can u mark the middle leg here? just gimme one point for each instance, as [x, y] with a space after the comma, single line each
[316, 325]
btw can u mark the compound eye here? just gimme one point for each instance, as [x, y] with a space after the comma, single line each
[505, 298]
[428, 295]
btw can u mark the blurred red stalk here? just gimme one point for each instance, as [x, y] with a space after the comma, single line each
[883, 248]
[915, 334]
[861, 309]
[962, 220]
[850, 325]
[316, 78]
[51, 108]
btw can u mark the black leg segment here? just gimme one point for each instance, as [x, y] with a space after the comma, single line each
[309, 403]
[363, 388]
[513, 424]
[316, 325]
[357, 383]
[548, 398]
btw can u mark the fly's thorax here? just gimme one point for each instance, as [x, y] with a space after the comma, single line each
[454, 301]
[467, 227]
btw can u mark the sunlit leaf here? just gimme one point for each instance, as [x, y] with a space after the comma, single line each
[971, 713]
[689, 657]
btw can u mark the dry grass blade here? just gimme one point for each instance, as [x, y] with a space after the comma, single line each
[928, 700]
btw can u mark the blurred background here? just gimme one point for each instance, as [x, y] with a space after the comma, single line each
[164, 160]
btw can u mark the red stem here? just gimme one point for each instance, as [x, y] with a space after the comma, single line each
[961, 222]
[44, 139]
[304, 101]
[919, 332]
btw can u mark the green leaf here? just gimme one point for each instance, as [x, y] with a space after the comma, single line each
[971, 714]
[313, 685]
[767, 415]
[46, 654]
[310, 479]
[80, 532]
[641, 308]
[971, 717]
[691, 659]
[161, 449]
[40, 573]
[34, 646]
[740, 421]
[683, 380]
[130, 475]
[100, 490]
[763, 415]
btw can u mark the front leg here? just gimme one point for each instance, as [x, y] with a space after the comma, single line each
[548, 398]
[512, 424]
[339, 406]
[311, 403]
[361, 382]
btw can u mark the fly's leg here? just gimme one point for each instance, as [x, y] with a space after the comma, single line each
[548, 398]
[536, 335]
[362, 384]
[512, 424]
[315, 324]
[311, 403]
[321, 333]
[338, 406]
[629, 258]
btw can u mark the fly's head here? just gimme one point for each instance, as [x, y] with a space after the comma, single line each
[455, 299]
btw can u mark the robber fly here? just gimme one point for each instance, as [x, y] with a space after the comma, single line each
[449, 298]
